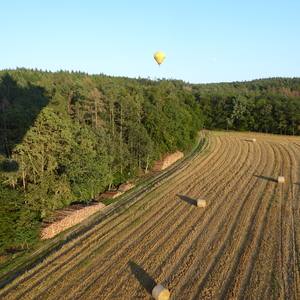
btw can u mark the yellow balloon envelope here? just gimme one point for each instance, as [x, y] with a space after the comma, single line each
[159, 57]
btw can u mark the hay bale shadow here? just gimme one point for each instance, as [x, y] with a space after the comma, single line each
[146, 281]
[188, 200]
[266, 178]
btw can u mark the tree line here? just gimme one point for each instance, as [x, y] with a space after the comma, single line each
[68, 136]
[266, 105]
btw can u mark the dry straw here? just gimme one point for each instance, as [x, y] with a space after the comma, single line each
[74, 217]
[280, 179]
[159, 292]
[167, 161]
[125, 187]
[251, 140]
[201, 203]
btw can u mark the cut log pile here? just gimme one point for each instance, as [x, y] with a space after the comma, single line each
[110, 195]
[125, 187]
[167, 161]
[72, 217]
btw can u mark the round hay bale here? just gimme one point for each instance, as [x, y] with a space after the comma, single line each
[201, 203]
[159, 292]
[254, 140]
[280, 179]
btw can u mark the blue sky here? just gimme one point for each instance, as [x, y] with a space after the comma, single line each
[204, 41]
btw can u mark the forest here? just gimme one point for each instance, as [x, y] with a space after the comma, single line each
[67, 136]
[266, 105]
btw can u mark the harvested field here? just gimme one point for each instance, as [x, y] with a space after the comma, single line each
[245, 244]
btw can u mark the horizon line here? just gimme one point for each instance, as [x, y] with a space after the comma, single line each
[155, 79]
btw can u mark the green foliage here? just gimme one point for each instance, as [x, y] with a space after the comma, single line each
[18, 223]
[269, 105]
[67, 137]
[87, 165]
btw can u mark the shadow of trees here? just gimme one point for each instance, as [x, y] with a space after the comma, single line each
[19, 107]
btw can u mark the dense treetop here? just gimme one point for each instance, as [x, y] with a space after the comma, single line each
[67, 137]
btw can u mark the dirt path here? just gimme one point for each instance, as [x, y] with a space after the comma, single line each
[244, 245]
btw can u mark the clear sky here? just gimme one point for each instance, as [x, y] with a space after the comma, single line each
[204, 41]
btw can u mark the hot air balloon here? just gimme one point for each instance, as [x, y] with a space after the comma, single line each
[159, 57]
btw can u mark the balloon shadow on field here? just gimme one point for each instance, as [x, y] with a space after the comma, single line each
[19, 108]
[188, 200]
[266, 178]
[9, 165]
[146, 281]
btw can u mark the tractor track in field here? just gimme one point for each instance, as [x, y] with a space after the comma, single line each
[167, 241]
[194, 237]
[153, 223]
[243, 267]
[211, 259]
[243, 245]
[72, 246]
[291, 259]
[74, 243]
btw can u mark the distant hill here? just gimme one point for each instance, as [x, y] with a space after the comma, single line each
[265, 105]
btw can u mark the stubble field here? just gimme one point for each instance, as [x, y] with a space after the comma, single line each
[244, 245]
